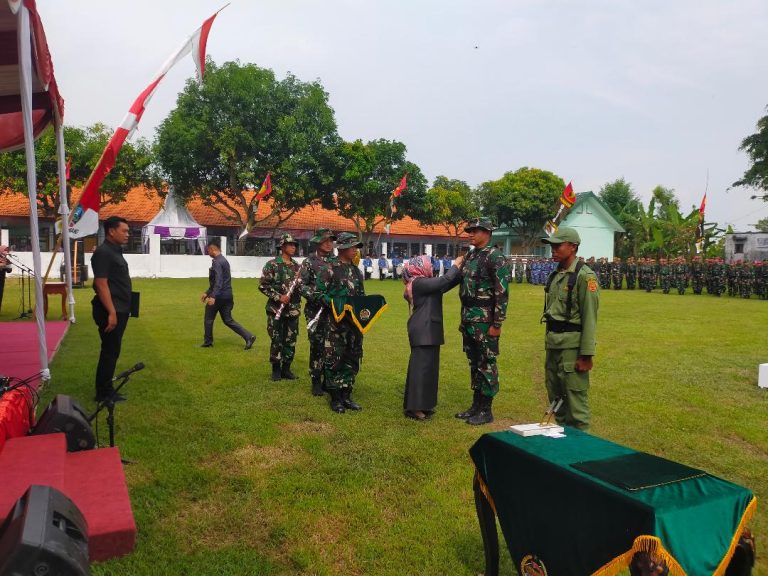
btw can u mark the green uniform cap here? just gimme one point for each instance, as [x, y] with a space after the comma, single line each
[287, 239]
[348, 240]
[484, 223]
[322, 234]
[561, 235]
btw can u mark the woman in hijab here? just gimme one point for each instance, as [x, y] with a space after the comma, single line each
[425, 332]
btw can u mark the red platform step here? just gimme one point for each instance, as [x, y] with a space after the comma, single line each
[94, 480]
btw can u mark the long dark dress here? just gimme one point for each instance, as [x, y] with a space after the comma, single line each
[425, 333]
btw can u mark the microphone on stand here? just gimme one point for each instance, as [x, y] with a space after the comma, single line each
[136, 368]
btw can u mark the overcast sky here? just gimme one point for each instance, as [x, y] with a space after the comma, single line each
[655, 91]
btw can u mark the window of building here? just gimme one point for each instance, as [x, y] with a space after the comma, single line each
[738, 248]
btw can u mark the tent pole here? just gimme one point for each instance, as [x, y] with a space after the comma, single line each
[25, 82]
[64, 212]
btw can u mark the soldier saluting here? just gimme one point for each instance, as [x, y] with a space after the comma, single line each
[311, 269]
[484, 292]
[279, 279]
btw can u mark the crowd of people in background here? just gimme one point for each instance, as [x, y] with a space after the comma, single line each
[738, 279]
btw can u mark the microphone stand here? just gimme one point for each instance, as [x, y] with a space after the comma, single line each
[109, 404]
[25, 312]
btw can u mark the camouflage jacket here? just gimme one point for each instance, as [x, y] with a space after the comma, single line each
[339, 279]
[311, 269]
[276, 279]
[484, 288]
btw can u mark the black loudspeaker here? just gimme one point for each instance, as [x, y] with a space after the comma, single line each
[65, 415]
[44, 534]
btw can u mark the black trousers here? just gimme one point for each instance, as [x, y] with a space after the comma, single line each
[111, 343]
[2, 286]
[224, 308]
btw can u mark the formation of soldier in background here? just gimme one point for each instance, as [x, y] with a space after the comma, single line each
[738, 279]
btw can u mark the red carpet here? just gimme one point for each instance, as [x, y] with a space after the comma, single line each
[19, 355]
[93, 480]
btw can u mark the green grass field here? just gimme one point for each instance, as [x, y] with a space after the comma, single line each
[235, 474]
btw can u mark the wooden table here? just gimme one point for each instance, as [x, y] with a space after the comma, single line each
[55, 288]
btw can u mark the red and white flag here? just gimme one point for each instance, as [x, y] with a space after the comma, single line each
[85, 219]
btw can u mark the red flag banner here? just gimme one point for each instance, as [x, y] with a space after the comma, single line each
[84, 222]
[568, 197]
[400, 187]
[266, 188]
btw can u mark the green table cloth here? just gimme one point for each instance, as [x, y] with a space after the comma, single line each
[574, 523]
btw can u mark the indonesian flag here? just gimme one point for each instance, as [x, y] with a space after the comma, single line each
[85, 220]
[266, 188]
[400, 187]
[568, 198]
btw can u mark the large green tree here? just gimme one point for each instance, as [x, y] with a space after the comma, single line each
[365, 174]
[756, 147]
[83, 146]
[523, 200]
[761, 225]
[223, 138]
[449, 203]
[626, 206]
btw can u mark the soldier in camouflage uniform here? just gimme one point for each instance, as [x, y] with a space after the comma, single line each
[746, 279]
[570, 311]
[680, 274]
[519, 266]
[665, 275]
[343, 347]
[276, 279]
[697, 274]
[717, 271]
[618, 271]
[732, 277]
[484, 293]
[761, 280]
[631, 273]
[311, 269]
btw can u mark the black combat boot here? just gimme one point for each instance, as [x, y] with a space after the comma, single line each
[336, 403]
[346, 399]
[472, 410]
[286, 373]
[317, 385]
[483, 414]
[276, 372]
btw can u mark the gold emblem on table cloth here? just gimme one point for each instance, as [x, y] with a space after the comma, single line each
[365, 314]
[532, 566]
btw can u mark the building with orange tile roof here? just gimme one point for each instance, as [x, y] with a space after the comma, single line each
[405, 236]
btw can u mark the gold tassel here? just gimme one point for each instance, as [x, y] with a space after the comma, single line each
[485, 491]
[650, 544]
[745, 518]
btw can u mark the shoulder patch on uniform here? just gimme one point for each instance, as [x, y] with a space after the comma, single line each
[592, 285]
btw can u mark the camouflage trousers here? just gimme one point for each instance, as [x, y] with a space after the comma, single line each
[631, 281]
[481, 350]
[343, 350]
[283, 334]
[317, 345]
[666, 284]
[564, 382]
[698, 283]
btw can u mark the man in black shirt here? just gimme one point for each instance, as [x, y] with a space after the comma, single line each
[112, 303]
[219, 299]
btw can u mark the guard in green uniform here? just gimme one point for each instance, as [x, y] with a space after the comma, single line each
[343, 347]
[570, 311]
[317, 320]
[484, 293]
[279, 282]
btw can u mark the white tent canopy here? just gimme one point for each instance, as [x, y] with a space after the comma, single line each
[174, 222]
